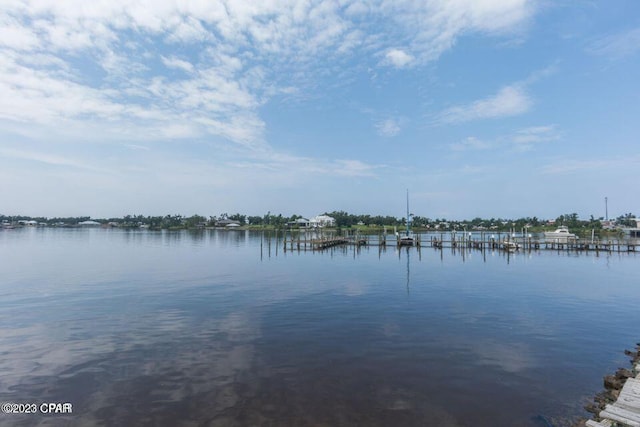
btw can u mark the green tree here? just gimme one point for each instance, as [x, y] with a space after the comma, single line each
[627, 220]
[255, 220]
[195, 221]
[238, 217]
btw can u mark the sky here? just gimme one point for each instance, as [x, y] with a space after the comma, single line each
[480, 108]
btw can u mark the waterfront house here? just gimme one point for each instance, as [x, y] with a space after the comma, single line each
[227, 223]
[631, 232]
[608, 224]
[322, 221]
[89, 224]
[299, 223]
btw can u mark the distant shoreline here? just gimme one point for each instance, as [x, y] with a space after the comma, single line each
[363, 230]
[338, 221]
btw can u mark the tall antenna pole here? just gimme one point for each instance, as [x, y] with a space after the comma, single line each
[408, 212]
[606, 209]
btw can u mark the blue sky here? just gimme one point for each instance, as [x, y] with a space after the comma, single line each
[486, 108]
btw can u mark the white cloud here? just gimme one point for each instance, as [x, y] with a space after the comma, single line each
[188, 30]
[16, 36]
[388, 127]
[432, 27]
[357, 8]
[177, 63]
[492, 15]
[106, 72]
[212, 103]
[398, 58]
[107, 69]
[509, 101]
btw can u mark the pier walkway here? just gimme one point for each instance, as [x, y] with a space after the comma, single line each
[506, 242]
[625, 411]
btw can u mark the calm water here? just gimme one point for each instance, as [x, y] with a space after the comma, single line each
[197, 328]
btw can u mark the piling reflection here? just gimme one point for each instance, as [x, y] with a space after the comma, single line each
[510, 247]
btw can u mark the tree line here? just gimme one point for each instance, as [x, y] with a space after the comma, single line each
[342, 219]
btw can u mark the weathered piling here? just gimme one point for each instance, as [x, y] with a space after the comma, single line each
[303, 240]
[324, 243]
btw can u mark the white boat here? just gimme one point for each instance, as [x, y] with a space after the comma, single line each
[560, 235]
[510, 246]
[407, 239]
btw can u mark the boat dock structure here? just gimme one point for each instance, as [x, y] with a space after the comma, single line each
[619, 406]
[312, 241]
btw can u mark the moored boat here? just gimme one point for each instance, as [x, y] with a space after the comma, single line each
[407, 239]
[510, 246]
[560, 235]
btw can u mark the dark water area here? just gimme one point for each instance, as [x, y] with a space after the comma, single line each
[205, 328]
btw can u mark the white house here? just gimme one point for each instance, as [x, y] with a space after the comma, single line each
[633, 233]
[300, 223]
[89, 223]
[322, 221]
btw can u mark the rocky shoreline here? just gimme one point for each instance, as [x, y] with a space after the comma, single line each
[612, 386]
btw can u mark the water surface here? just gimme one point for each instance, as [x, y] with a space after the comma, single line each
[215, 328]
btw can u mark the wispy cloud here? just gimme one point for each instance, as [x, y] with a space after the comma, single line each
[568, 166]
[432, 27]
[16, 36]
[509, 101]
[177, 63]
[198, 74]
[471, 143]
[474, 170]
[388, 127]
[252, 46]
[137, 147]
[296, 166]
[211, 103]
[617, 46]
[526, 139]
[353, 168]
[47, 158]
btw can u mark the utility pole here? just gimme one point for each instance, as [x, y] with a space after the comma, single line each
[606, 209]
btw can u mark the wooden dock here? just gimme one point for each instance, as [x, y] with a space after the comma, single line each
[624, 410]
[302, 241]
[523, 244]
[324, 243]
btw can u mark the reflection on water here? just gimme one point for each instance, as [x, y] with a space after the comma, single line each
[196, 328]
